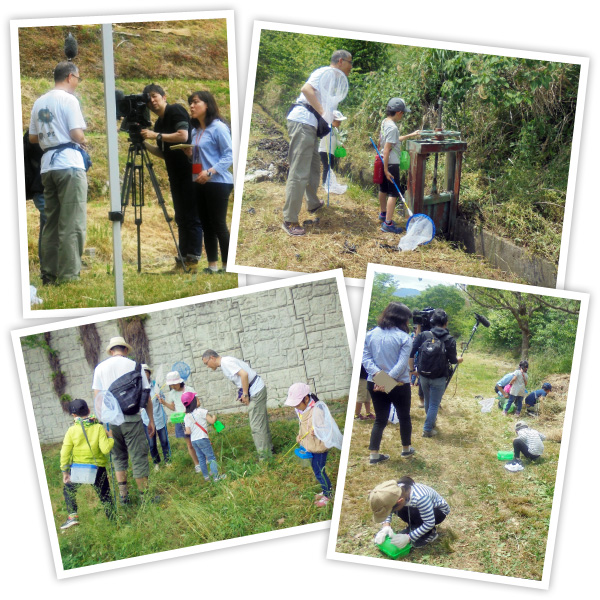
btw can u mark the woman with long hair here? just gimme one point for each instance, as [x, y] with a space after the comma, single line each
[387, 348]
[211, 159]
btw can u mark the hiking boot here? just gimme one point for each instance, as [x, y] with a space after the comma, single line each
[312, 211]
[293, 229]
[407, 453]
[391, 227]
[382, 458]
[71, 520]
[428, 434]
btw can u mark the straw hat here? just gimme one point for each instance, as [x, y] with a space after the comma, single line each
[117, 341]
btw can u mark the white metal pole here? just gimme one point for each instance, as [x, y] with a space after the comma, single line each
[113, 158]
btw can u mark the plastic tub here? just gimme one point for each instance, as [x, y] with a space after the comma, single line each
[505, 454]
[393, 551]
[82, 473]
[304, 456]
[177, 417]
[218, 426]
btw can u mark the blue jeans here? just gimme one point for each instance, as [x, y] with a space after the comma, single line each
[318, 465]
[205, 453]
[518, 400]
[433, 390]
[163, 436]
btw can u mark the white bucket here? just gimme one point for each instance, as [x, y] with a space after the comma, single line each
[82, 473]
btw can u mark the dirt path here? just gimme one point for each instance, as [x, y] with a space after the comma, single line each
[345, 235]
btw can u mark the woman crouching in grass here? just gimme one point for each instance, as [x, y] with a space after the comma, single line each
[418, 505]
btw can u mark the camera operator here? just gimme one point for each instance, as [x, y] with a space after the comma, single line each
[173, 127]
[437, 349]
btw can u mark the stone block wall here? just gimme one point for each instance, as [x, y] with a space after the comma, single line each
[289, 334]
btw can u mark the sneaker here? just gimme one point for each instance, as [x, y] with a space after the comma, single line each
[370, 416]
[220, 477]
[71, 520]
[156, 467]
[391, 227]
[312, 211]
[421, 404]
[324, 501]
[431, 433]
[210, 271]
[426, 539]
[382, 216]
[293, 229]
[124, 499]
[169, 465]
[197, 469]
[407, 453]
[192, 259]
[207, 479]
[359, 417]
[319, 495]
[382, 458]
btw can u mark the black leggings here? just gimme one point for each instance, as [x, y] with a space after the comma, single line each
[102, 488]
[382, 402]
[211, 203]
[520, 445]
[411, 515]
[326, 164]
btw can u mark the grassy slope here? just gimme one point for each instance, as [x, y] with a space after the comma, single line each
[499, 520]
[255, 497]
[168, 54]
[350, 220]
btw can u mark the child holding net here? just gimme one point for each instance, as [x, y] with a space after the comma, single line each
[318, 433]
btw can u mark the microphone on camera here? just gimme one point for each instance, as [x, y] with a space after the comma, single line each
[70, 47]
[482, 320]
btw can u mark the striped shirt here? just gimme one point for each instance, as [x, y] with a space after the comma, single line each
[533, 440]
[424, 499]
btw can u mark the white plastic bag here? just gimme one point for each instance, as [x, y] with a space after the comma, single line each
[324, 426]
[33, 297]
[393, 418]
[332, 185]
[108, 409]
[420, 229]
[487, 404]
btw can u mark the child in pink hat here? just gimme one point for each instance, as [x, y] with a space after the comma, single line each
[318, 433]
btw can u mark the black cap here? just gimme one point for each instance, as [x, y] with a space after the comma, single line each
[79, 407]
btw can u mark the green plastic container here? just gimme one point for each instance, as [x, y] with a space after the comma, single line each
[177, 417]
[218, 426]
[505, 455]
[404, 160]
[393, 551]
[340, 152]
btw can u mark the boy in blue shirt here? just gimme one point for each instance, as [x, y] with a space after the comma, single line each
[532, 399]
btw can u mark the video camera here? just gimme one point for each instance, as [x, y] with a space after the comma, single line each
[423, 318]
[133, 109]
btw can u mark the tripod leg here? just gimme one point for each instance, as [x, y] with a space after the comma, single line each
[161, 202]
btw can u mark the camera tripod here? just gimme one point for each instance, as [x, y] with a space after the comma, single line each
[133, 189]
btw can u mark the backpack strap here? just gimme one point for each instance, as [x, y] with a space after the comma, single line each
[88, 442]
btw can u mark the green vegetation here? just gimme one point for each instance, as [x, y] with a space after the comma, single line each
[517, 116]
[254, 498]
[181, 56]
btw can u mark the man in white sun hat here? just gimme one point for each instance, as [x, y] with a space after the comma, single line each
[130, 437]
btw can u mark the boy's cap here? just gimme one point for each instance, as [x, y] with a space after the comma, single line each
[297, 393]
[382, 499]
[338, 116]
[187, 398]
[547, 387]
[173, 377]
[117, 341]
[145, 367]
[397, 105]
[79, 407]
[520, 425]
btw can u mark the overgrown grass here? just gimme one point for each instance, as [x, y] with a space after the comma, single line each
[254, 498]
[499, 520]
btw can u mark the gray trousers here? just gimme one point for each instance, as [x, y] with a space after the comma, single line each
[63, 237]
[305, 170]
[259, 423]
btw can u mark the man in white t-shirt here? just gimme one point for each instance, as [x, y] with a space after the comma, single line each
[130, 437]
[303, 154]
[57, 125]
[252, 393]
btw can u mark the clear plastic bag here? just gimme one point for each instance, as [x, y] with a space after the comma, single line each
[108, 409]
[487, 404]
[324, 426]
[420, 229]
[332, 185]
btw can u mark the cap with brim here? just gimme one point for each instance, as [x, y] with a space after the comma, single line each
[297, 393]
[187, 398]
[79, 407]
[116, 341]
[397, 105]
[520, 425]
[383, 498]
[173, 377]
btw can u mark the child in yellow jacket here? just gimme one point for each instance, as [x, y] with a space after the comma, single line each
[92, 451]
[318, 433]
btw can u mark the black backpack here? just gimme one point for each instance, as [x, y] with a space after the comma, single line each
[128, 391]
[432, 361]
